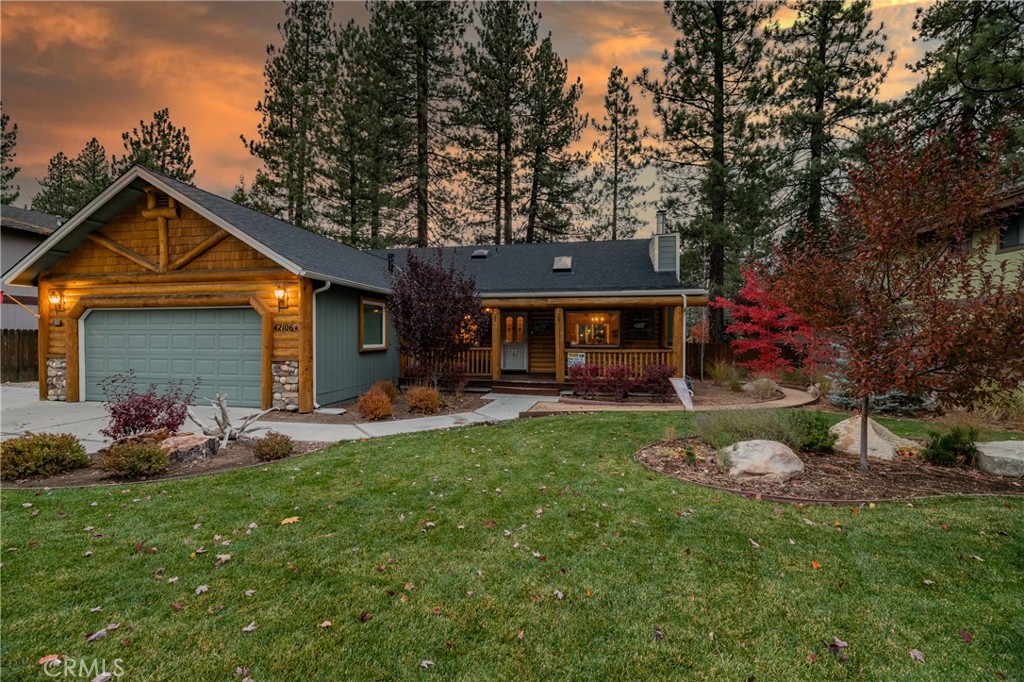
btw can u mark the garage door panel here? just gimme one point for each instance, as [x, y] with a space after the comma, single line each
[221, 346]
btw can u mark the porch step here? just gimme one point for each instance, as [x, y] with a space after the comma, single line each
[524, 388]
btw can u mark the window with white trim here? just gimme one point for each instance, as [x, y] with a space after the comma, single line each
[373, 327]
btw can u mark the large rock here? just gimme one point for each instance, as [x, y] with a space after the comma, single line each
[761, 460]
[186, 448]
[1002, 457]
[882, 443]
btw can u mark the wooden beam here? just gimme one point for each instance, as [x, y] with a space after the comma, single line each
[243, 275]
[199, 250]
[678, 342]
[267, 347]
[122, 250]
[44, 336]
[588, 302]
[306, 397]
[71, 392]
[164, 213]
[496, 332]
[559, 345]
[165, 254]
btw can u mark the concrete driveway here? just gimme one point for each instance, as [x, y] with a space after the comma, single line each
[21, 412]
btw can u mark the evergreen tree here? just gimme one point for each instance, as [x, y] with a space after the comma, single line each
[294, 93]
[58, 190]
[159, 145]
[497, 74]
[8, 140]
[619, 161]
[829, 66]
[92, 172]
[714, 86]
[974, 77]
[552, 124]
[255, 196]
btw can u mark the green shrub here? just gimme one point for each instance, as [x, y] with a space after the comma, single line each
[762, 389]
[735, 384]
[1001, 406]
[722, 373]
[272, 446]
[801, 431]
[135, 461]
[953, 447]
[794, 377]
[374, 405]
[423, 399]
[41, 454]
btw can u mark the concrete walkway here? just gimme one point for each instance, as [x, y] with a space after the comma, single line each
[21, 411]
[792, 398]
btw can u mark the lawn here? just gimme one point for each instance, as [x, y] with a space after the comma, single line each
[532, 550]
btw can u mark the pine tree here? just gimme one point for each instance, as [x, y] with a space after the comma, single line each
[92, 172]
[829, 66]
[8, 190]
[619, 161]
[974, 77]
[497, 74]
[159, 145]
[58, 190]
[295, 75]
[552, 125]
[714, 86]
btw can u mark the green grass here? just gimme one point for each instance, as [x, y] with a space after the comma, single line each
[571, 491]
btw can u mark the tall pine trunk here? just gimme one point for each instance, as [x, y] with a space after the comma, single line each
[497, 194]
[422, 150]
[507, 181]
[615, 182]
[531, 219]
[716, 191]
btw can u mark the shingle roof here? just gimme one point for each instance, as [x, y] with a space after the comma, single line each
[313, 253]
[27, 220]
[623, 265]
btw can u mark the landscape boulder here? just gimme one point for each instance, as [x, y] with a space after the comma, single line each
[1002, 457]
[882, 443]
[187, 448]
[761, 460]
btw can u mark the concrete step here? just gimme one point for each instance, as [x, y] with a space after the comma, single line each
[522, 388]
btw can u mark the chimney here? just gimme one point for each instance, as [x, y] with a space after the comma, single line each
[659, 223]
[391, 262]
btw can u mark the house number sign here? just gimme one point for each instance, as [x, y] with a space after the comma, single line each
[292, 327]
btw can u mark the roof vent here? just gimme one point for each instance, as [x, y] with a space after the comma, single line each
[562, 264]
[479, 253]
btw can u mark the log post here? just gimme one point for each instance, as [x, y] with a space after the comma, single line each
[678, 342]
[559, 345]
[496, 332]
[306, 397]
[43, 305]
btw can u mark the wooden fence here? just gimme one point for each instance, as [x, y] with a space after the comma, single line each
[18, 353]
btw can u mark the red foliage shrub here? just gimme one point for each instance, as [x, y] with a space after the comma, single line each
[132, 412]
[586, 380]
[374, 405]
[619, 380]
[655, 380]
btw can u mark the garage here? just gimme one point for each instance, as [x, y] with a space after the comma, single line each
[222, 346]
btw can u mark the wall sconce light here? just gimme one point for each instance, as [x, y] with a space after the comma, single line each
[281, 294]
[56, 301]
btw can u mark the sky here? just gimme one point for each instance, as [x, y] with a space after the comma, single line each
[70, 71]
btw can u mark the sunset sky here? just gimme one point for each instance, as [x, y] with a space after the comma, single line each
[70, 71]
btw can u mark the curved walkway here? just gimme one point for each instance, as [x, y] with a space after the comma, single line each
[792, 398]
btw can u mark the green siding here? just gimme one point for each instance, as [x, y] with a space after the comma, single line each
[667, 255]
[220, 346]
[342, 372]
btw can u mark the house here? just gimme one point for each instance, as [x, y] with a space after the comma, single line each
[1004, 241]
[554, 305]
[173, 282]
[21, 230]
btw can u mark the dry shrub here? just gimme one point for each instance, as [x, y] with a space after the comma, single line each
[374, 405]
[272, 446]
[388, 387]
[762, 389]
[423, 399]
[135, 461]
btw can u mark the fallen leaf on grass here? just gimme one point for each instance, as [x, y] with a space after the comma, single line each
[88, 554]
[836, 646]
[222, 559]
[103, 677]
[93, 636]
[558, 595]
[289, 520]
[177, 606]
[426, 664]
[916, 655]
[171, 581]
[325, 624]
[815, 565]
[250, 627]
[975, 556]
[519, 635]
[249, 593]
[929, 582]
[811, 658]
[96, 609]
[404, 598]
[201, 589]
[966, 636]
[754, 544]
[364, 617]
[809, 522]
[51, 660]
[658, 634]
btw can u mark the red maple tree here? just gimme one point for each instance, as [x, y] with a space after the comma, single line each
[764, 327]
[896, 286]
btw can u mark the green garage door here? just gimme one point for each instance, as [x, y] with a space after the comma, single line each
[222, 346]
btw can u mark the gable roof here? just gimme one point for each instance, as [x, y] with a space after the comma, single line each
[26, 220]
[622, 266]
[300, 251]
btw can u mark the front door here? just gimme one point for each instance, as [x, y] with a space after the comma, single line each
[513, 342]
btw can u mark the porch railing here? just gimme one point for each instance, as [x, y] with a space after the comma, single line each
[477, 362]
[636, 359]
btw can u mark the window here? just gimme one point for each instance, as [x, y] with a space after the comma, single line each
[1012, 236]
[373, 328]
[593, 328]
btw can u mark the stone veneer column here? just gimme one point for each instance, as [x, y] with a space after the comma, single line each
[286, 385]
[56, 379]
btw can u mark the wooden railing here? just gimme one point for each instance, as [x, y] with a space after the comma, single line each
[636, 359]
[477, 362]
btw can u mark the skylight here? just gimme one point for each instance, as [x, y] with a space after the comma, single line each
[479, 253]
[562, 264]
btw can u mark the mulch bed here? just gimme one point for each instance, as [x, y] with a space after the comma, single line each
[469, 402]
[829, 478]
[237, 455]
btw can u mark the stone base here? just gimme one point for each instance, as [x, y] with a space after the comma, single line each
[56, 379]
[286, 385]
[1002, 458]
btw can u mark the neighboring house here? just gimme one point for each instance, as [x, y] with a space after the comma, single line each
[553, 305]
[1005, 241]
[21, 230]
[176, 283]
